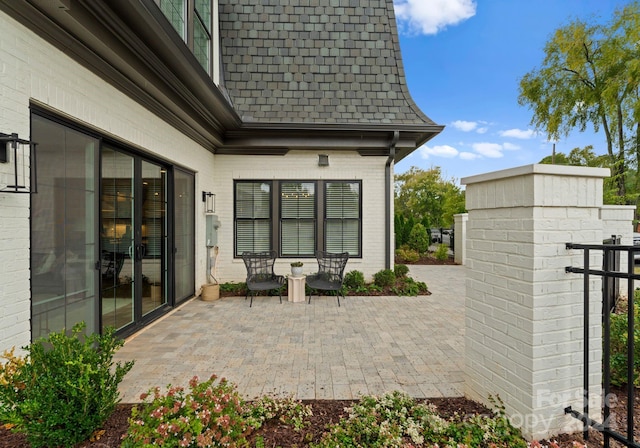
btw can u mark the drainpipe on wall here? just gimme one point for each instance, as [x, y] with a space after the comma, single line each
[387, 200]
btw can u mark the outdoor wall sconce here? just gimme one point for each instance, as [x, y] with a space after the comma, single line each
[209, 200]
[323, 160]
[20, 157]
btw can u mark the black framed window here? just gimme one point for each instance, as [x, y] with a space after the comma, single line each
[343, 223]
[202, 35]
[308, 216]
[192, 19]
[297, 219]
[252, 216]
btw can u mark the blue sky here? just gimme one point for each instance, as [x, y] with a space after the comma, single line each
[463, 60]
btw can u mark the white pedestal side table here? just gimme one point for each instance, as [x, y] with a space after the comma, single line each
[296, 288]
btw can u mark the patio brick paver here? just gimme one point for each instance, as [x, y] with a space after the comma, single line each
[369, 345]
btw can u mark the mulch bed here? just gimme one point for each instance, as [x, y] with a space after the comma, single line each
[428, 259]
[325, 412]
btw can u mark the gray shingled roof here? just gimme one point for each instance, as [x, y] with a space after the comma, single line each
[315, 61]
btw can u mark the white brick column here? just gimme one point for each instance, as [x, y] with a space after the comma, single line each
[460, 237]
[618, 220]
[524, 314]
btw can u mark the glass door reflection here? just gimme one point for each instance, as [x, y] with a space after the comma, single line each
[154, 236]
[133, 237]
[117, 239]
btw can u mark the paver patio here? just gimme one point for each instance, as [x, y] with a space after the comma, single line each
[369, 345]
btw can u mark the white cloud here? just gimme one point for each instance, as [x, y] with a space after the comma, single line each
[491, 150]
[469, 155]
[438, 151]
[523, 134]
[510, 146]
[431, 16]
[466, 126]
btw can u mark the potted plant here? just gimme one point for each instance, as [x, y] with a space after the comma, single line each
[296, 268]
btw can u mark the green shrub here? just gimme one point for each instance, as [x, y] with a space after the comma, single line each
[410, 287]
[354, 280]
[401, 270]
[395, 418]
[231, 288]
[407, 255]
[442, 252]
[384, 278]
[419, 239]
[618, 345]
[64, 389]
[286, 410]
[402, 227]
[211, 414]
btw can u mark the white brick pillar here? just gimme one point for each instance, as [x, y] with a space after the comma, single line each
[524, 314]
[459, 237]
[618, 220]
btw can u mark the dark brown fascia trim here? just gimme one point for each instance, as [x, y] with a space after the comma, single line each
[367, 141]
[107, 46]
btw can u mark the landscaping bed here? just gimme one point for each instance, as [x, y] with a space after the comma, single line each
[276, 434]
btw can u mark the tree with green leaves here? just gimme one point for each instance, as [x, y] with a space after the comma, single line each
[589, 77]
[427, 198]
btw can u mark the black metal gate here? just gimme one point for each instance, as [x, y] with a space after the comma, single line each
[610, 274]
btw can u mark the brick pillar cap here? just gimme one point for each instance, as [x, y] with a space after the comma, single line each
[552, 170]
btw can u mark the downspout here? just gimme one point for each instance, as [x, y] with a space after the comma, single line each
[387, 200]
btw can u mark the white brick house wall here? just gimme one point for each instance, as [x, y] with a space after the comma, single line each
[33, 70]
[303, 165]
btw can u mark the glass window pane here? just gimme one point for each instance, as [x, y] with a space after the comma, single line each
[253, 200]
[63, 229]
[184, 234]
[343, 220]
[343, 236]
[343, 200]
[252, 216]
[202, 45]
[298, 237]
[297, 200]
[176, 12]
[253, 236]
[297, 218]
[203, 10]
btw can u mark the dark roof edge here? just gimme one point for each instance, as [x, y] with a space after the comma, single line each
[403, 80]
[367, 140]
[369, 127]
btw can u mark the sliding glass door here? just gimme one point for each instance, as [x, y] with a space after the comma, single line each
[134, 238]
[64, 214]
[112, 232]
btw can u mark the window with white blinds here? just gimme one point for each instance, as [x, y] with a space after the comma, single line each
[253, 217]
[343, 217]
[297, 219]
[313, 215]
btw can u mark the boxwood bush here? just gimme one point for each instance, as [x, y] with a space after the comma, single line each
[64, 389]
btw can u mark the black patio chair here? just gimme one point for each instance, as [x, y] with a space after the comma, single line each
[330, 273]
[260, 274]
[110, 266]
